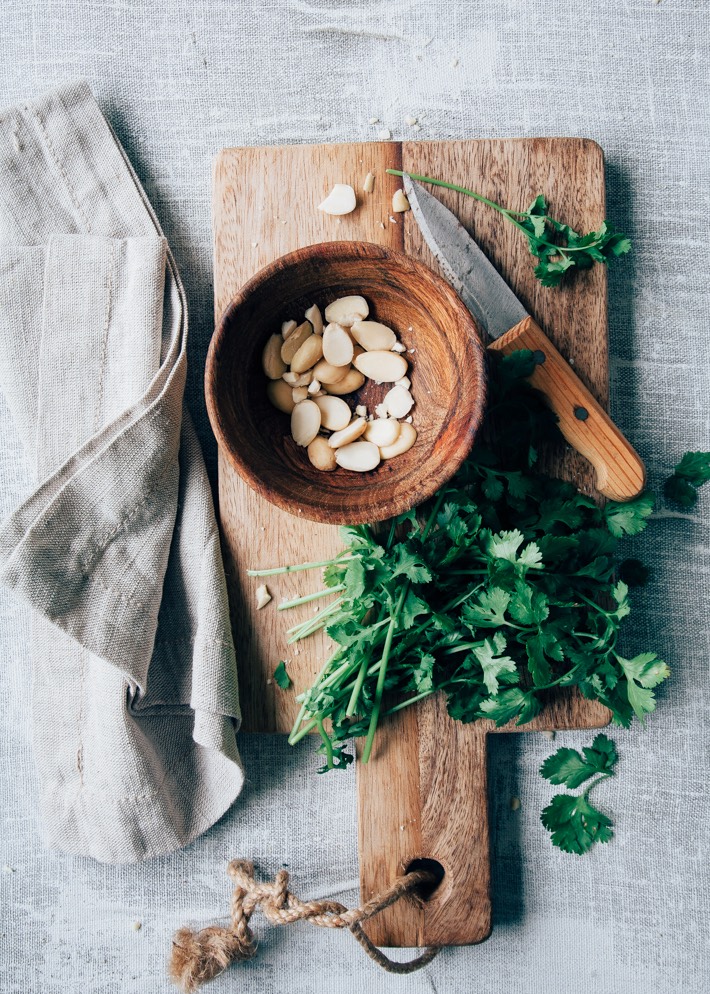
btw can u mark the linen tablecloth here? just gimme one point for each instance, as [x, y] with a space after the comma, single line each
[134, 695]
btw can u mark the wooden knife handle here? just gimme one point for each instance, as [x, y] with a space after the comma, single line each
[620, 473]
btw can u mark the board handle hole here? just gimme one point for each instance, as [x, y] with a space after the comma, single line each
[427, 890]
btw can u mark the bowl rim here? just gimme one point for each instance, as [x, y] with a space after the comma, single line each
[338, 249]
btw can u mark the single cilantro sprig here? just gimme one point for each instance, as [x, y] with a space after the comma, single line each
[557, 246]
[691, 472]
[575, 825]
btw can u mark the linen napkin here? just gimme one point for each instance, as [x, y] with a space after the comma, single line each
[135, 700]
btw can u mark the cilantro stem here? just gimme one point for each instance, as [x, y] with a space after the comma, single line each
[309, 726]
[295, 569]
[506, 212]
[409, 700]
[379, 690]
[287, 605]
[326, 742]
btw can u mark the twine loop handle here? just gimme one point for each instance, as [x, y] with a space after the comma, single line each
[199, 956]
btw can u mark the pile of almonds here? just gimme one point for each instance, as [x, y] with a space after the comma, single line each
[311, 368]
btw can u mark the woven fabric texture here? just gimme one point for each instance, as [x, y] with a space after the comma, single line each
[178, 81]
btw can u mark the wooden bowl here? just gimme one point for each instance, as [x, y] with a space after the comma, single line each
[447, 371]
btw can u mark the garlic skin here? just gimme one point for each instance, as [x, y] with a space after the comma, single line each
[340, 200]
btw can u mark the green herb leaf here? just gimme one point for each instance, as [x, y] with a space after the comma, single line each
[569, 767]
[281, 676]
[575, 825]
[691, 472]
[629, 518]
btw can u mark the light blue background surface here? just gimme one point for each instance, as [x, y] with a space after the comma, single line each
[178, 81]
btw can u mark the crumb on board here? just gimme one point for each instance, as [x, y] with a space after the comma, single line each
[262, 596]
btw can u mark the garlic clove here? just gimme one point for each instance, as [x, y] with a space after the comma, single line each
[340, 200]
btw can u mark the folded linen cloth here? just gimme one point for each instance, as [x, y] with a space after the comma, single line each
[135, 700]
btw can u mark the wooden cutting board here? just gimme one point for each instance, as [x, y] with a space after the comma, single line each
[423, 793]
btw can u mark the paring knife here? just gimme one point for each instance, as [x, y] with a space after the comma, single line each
[620, 473]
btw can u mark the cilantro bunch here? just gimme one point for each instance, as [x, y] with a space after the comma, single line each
[496, 593]
[557, 246]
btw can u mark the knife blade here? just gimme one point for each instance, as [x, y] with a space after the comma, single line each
[620, 473]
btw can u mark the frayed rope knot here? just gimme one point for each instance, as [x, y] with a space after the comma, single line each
[200, 956]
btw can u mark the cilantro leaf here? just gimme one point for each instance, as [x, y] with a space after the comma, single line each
[642, 673]
[281, 676]
[575, 825]
[495, 667]
[630, 517]
[691, 472]
[569, 767]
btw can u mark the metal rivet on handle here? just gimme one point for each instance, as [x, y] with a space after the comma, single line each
[539, 356]
[581, 413]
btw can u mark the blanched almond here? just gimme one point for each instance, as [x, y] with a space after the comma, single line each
[313, 315]
[279, 393]
[399, 402]
[400, 202]
[334, 413]
[406, 439]
[382, 367]
[360, 457]
[369, 183]
[321, 455]
[337, 345]
[308, 354]
[298, 379]
[384, 431]
[294, 341]
[287, 328]
[351, 382]
[373, 335]
[299, 394]
[305, 422]
[271, 361]
[345, 310]
[346, 435]
[340, 200]
[327, 373]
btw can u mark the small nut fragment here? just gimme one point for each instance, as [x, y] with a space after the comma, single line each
[351, 382]
[400, 202]
[279, 393]
[337, 345]
[314, 387]
[369, 185]
[271, 361]
[406, 439]
[404, 382]
[294, 341]
[308, 354]
[358, 456]
[262, 596]
[361, 411]
[299, 394]
[305, 422]
[384, 135]
[298, 379]
[346, 435]
[398, 347]
[327, 373]
[399, 402]
[340, 200]
[410, 120]
[372, 335]
[321, 454]
[334, 413]
[345, 310]
[381, 411]
[313, 315]
[384, 431]
[382, 367]
[287, 328]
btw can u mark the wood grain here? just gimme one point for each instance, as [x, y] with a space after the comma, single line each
[423, 794]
